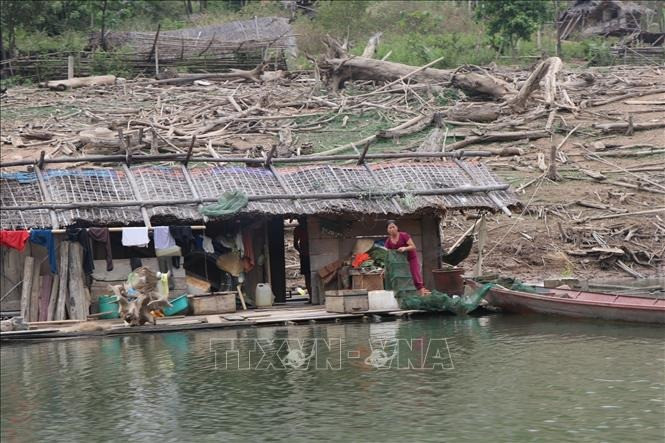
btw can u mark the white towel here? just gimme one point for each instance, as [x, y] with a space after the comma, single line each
[207, 245]
[163, 237]
[135, 237]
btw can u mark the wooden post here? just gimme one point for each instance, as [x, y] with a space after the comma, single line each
[70, 67]
[53, 301]
[551, 171]
[482, 239]
[77, 306]
[156, 61]
[28, 268]
[46, 282]
[558, 31]
[34, 294]
[63, 274]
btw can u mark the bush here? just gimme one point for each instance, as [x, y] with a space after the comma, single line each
[40, 42]
[456, 49]
[597, 52]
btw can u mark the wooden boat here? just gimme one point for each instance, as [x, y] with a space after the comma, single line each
[575, 303]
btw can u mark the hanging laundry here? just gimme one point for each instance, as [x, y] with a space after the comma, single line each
[135, 262]
[135, 237]
[14, 239]
[207, 245]
[239, 244]
[248, 248]
[81, 236]
[102, 235]
[163, 237]
[183, 237]
[44, 237]
[198, 242]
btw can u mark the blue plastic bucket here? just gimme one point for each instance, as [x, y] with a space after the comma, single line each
[180, 305]
[109, 305]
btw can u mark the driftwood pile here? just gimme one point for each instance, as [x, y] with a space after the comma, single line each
[546, 125]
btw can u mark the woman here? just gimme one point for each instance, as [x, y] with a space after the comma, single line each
[402, 242]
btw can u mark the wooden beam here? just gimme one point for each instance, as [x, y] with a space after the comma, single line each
[63, 274]
[137, 195]
[28, 268]
[47, 194]
[491, 196]
[256, 161]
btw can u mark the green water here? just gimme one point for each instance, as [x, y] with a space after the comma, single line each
[496, 378]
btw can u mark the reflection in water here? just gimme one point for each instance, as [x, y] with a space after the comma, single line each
[508, 377]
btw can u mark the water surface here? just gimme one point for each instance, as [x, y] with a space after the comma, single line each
[497, 378]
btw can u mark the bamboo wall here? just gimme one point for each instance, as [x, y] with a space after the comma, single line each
[45, 67]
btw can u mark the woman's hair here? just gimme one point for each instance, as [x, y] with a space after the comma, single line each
[390, 222]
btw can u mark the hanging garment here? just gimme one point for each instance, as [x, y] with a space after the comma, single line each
[207, 245]
[44, 237]
[163, 237]
[14, 239]
[81, 236]
[135, 262]
[135, 237]
[102, 235]
[183, 237]
[248, 248]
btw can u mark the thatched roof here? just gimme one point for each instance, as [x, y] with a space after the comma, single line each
[397, 188]
[601, 17]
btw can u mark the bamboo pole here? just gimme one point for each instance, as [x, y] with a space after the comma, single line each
[254, 161]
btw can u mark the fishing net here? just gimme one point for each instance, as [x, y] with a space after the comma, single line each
[513, 284]
[398, 279]
[229, 203]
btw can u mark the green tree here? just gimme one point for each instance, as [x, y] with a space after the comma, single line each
[508, 21]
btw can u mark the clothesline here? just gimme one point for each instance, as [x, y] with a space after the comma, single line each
[119, 229]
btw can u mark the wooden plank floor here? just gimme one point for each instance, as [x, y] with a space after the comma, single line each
[287, 314]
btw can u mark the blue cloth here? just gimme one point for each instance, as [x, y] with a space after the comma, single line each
[44, 237]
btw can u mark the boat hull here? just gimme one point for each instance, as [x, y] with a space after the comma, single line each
[580, 304]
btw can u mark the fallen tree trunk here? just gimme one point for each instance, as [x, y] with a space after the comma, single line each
[482, 83]
[340, 70]
[623, 127]
[498, 137]
[253, 76]
[79, 82]
[474, 112]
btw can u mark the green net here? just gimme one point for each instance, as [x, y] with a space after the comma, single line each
[398, 279]
[513, 284]
[229, 203]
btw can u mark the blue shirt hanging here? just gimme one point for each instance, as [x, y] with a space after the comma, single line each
[44, 237]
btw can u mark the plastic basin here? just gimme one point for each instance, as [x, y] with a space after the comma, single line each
[109, 305]
[179, 306]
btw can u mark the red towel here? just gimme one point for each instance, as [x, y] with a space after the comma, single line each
[14, 239]
[248, 257]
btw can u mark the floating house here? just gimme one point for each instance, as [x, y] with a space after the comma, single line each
[339, 203]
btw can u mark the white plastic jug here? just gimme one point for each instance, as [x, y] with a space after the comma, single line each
[263, 297]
